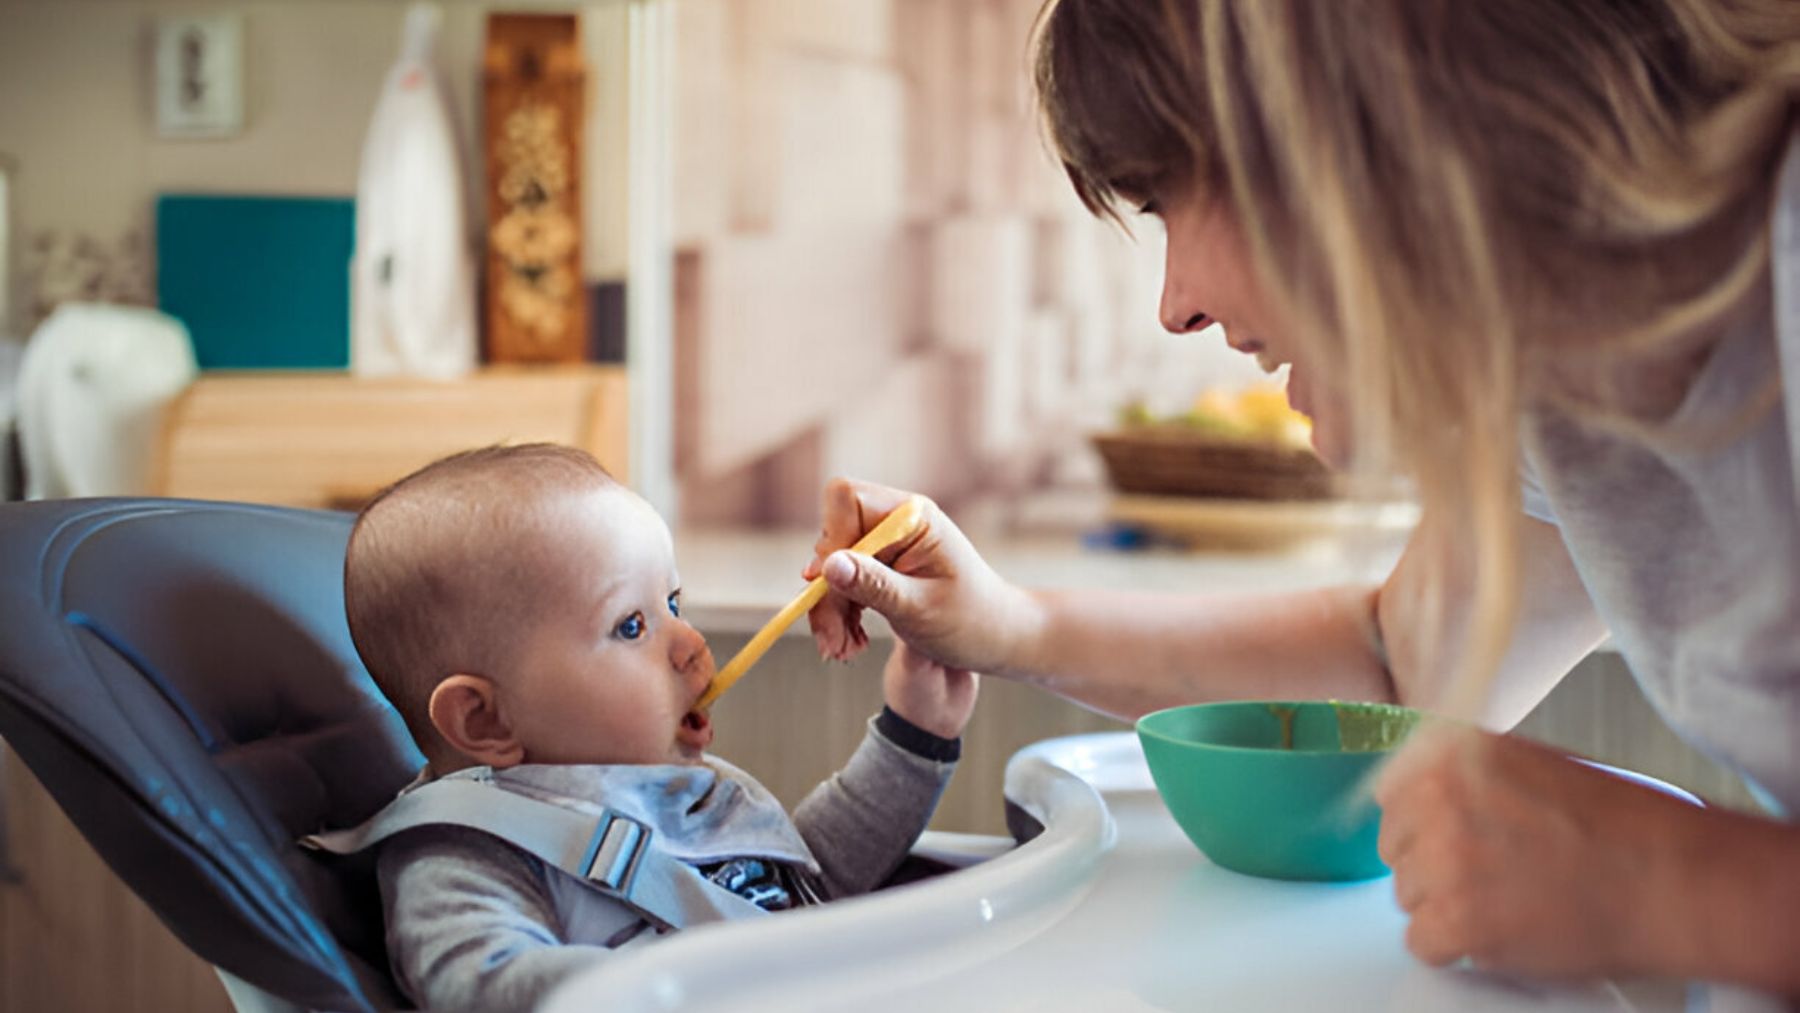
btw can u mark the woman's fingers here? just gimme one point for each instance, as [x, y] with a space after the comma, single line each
[850, 509]
[1408, 891]
[1396, 835]
[1438, 936]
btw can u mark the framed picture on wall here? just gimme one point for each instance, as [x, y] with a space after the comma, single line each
[199, 75]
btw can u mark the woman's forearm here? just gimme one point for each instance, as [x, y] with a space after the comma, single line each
[1727, 904]
[1127, 654]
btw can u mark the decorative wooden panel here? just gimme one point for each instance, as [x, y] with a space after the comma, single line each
[535, 84]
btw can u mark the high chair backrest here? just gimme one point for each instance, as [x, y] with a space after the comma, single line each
[180, 677]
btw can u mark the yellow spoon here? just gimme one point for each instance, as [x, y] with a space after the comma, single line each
[894, 528]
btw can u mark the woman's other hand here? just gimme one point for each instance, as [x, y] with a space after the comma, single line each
[935, 590]
[1523, 860]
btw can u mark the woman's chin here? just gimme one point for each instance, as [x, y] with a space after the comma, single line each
[1303, 399]
[1335, 455]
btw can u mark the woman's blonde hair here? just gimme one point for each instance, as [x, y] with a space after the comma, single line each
[1441, 194]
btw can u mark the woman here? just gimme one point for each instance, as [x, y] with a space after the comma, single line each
[1534, 253]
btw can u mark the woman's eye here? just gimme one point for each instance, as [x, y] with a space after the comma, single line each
[675, 604]
[632, 628]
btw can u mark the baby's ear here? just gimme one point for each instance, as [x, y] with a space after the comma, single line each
[465, 710]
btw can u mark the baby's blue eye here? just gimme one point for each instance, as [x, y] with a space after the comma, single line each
[633, 626]
[675, 604]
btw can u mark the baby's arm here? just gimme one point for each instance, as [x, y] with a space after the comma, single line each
[471, 924]
[861, 822]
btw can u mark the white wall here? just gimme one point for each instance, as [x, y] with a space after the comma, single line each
[76, 108]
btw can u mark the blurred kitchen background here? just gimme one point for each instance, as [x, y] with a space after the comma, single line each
[286, 251]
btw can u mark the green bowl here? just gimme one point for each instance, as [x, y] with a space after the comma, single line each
[1276, 789]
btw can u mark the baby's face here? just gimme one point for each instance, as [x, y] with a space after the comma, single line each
[611, 673]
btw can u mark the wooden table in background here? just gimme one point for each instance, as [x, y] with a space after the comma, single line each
[333, 440]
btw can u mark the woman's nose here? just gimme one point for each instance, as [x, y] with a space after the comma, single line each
[1176, 324]
[1177, 311]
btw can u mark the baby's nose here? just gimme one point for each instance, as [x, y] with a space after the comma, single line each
[688, 647]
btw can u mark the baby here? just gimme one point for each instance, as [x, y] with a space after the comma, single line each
[522, 611]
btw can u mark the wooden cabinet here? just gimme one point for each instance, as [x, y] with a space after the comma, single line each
[333, 440]
[72, 937]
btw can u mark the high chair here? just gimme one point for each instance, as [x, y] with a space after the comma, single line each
[180, 678]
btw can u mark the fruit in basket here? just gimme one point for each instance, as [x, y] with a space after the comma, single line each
[1258, 414]
[1137, 413]
[1266, 411]
[1243, 444]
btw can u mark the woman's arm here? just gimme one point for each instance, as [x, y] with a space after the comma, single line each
[1126, 654]
[1129, 653]
[1730, 901]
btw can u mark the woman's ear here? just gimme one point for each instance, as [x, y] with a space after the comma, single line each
[465, 710]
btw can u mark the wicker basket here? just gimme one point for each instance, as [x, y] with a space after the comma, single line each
[1178, 461]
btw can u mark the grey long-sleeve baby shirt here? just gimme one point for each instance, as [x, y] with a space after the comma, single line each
[474, 923]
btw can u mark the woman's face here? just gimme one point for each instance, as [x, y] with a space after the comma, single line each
[1208, 278]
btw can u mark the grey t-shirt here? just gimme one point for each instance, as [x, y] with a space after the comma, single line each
[1692, 556]
[474, 923]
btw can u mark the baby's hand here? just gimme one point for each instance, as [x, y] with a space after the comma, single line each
[935, 698]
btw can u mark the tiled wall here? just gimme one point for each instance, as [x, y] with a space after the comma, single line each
[881, 270]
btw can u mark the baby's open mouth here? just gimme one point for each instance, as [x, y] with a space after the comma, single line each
[696, 731]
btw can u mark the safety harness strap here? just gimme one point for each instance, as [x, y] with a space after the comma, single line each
[615, 852]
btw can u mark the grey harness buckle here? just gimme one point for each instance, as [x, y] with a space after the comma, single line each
[615, 851]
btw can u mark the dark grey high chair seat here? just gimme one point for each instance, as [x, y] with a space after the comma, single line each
[180, 677]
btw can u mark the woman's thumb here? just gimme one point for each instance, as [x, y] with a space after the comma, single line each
[864, 581]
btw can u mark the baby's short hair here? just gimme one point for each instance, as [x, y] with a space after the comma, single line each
[437, 574]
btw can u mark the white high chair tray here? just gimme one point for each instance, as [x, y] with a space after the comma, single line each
[1132, 918]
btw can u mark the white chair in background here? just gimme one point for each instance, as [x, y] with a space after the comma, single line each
[10, 353]
[94, 385]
